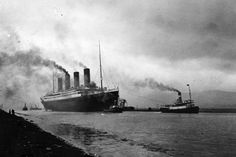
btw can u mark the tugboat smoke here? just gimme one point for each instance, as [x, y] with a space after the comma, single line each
[151, 83]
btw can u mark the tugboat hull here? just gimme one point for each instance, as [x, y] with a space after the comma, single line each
[194, 109]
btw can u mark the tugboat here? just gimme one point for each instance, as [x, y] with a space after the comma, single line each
[114, 109]
[25, 108]
[117, 107]
[180, 106]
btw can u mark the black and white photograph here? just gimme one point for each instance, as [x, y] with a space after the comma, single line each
[117, 78]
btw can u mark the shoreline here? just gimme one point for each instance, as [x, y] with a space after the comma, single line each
[18, 137]
[201, 110]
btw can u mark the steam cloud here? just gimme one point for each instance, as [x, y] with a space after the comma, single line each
[82, 65]
[10, 92]
[151, 83]
[25, 76]
[73, 62]
[30, 58]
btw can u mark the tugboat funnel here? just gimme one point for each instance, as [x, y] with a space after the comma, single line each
[180, 97]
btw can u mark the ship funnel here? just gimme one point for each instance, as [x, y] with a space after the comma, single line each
[86, 77]
[180, 97]
[59, 80]
[67, 81]
[76, 80]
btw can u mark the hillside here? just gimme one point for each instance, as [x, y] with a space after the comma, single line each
[215, 99]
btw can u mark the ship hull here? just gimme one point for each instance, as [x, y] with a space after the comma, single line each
[85, 103]
[194, 109]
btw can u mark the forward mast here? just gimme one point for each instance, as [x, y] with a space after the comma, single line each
[100, 63]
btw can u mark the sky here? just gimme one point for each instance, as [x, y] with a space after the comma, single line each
[171, 42]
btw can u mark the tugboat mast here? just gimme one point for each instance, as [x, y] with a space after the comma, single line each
[100, 62]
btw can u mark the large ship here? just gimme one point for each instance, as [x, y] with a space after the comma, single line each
[81, 98]
[180, 106]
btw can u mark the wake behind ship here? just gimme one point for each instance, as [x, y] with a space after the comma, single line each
[80, 98]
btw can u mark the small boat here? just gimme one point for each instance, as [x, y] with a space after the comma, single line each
[35, 108]
[180, 106]
[25, 108]
[114, 109]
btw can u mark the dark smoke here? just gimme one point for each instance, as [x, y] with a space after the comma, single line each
[92, 84]
[151, 83]
[77, 63]
[73, 63]
[82, 65]
[28, 59]
[25, 76]
[11, 91]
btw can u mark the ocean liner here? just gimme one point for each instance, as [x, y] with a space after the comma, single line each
[81, 98]
[180, 106]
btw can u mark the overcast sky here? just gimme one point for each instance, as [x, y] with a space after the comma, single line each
[175, 42]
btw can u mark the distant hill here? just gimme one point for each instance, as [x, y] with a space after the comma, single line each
[215, 99]
[205, 99]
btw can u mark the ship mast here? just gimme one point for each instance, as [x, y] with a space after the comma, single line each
[100, 62]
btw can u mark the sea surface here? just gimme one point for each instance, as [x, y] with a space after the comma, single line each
[139, 134]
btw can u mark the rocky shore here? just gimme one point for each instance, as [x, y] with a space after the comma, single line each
[20, 138]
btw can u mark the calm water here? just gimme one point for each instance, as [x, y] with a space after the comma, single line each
[144, 133]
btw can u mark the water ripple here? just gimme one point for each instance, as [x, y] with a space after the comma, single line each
[90, 135]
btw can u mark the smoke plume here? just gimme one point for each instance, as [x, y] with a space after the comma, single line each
[27, 59]
[11, 91]
[151, 83]
[25, 76]
[80, 64]
[72, 62]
